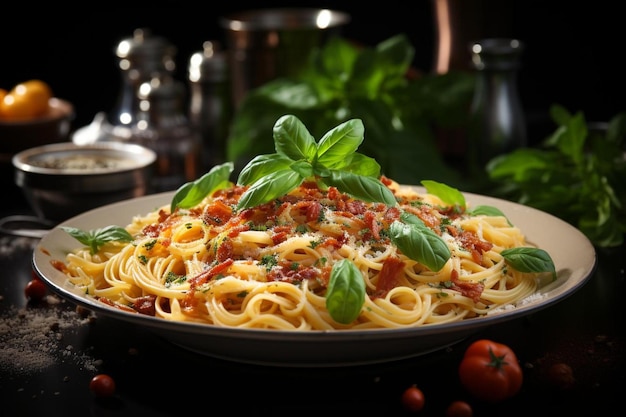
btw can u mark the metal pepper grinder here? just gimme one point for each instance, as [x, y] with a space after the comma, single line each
[166, 129]
[141, 58]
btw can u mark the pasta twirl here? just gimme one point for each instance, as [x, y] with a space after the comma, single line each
[269, 266]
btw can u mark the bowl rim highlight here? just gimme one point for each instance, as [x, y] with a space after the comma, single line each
[139, 156]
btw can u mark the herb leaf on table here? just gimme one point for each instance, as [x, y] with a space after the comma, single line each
[576, 174]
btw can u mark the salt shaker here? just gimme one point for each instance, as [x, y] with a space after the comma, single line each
[498, 123]
[210, 107]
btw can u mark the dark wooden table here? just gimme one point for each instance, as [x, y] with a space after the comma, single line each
[157, 378]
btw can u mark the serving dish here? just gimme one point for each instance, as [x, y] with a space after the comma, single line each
[573, 255]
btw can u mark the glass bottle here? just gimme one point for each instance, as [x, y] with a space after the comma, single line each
[210, 107]
[498, 123]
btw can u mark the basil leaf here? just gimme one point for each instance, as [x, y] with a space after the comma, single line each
[345, 294]
[528, 259]
[304, 168]
[95, 238]
[361, 187]
[360, 164]
[293, 140]
[419, 242]
[339, 143]
[260, 166]
[447, 194]
[269, 187]
[488, 211]
[192, 193]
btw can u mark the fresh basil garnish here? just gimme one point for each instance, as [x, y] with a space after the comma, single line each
[331, 162]
[447, 194]
[418, 242]
[345, 294]
[95, 238]
[192, 193]
[527, 259]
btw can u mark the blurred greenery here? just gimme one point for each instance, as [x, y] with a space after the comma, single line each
[401, 113]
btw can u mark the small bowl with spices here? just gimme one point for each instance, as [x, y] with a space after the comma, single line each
[62, 180]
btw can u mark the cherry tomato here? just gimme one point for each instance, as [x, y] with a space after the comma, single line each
[561, 376]
[27, 100]
[490, 371]
[102, 385]
[35, 289]
[413, 399]
[459, 409]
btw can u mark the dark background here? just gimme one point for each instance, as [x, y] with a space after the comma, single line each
[573, 56]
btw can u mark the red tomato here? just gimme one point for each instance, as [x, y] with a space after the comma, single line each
[35, 289]
[459, 409]
[413, 399]
[102, 385]
[490, 371]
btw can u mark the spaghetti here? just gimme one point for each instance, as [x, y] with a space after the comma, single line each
[270, 266]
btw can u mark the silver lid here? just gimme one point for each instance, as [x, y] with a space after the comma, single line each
[146, 53]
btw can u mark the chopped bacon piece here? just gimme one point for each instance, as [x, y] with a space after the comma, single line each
[392, 214]
[154, 230]
[107, 301]
[310, 185]
[476, 246]
[472, 290]
[230, 196]
[235, 230]
[312, 210]
[389, 276]
[285, 271]
[337, 198]
[333, 194]
[217, 213]
[356, 207]
[145, 305]
[225, 250]
[284, 206]
[425, 213]
[385, 180]
[372, 225]
[280, 234]
[207, 274]
[332, 242]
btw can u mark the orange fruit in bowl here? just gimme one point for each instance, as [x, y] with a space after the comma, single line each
[3, 93]
[26, 100]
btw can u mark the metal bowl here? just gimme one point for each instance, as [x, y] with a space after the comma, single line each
[62, 180]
